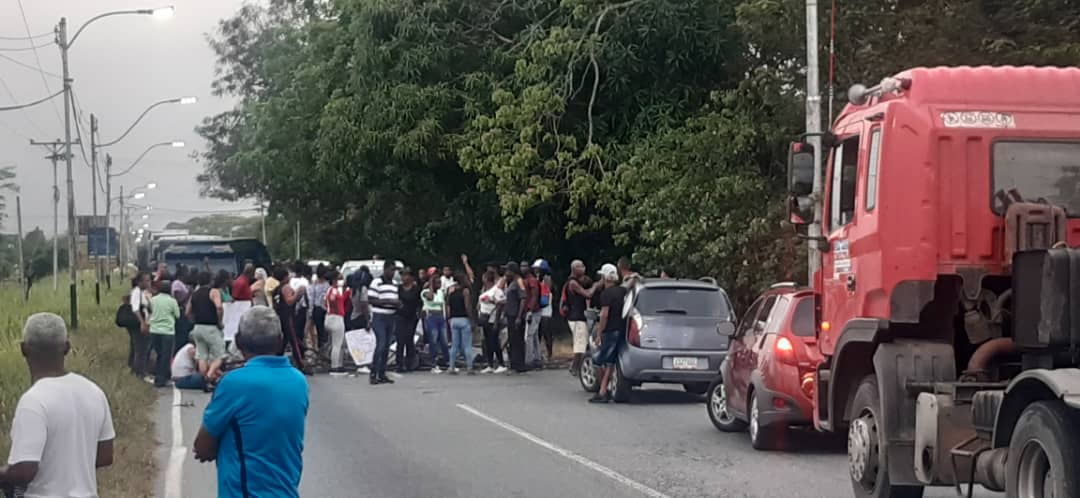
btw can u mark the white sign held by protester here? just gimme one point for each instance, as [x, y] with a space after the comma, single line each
[232, 311]
[361, 346]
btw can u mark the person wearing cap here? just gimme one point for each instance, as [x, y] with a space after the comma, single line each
[254, 425]
[434, 299]
[579, 290]
[532, 319]
[62, 430]
[612, 327]
[515, 312]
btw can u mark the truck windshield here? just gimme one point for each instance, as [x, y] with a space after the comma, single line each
[1038, 170]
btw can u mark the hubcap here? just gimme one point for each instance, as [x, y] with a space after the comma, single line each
[588, 375]
[719, 404]
[754, 425]
[1034, 474]
[863, 450]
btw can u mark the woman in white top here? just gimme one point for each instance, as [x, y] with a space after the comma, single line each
[491, 303]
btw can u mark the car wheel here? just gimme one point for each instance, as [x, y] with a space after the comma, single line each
[867, 462]
[698, 388]
[588, 378]
[722, 418]
[620, 391]
[1043, 452]
[762, 437]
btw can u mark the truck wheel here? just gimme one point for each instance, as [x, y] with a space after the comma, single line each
[867, 462]
[719, 414]
[620, 391]
[1044, 453]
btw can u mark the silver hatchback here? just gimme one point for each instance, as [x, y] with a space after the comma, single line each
[677, 333]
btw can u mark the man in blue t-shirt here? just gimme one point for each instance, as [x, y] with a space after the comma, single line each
[254, 425]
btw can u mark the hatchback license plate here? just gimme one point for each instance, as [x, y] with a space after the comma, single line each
[683, 363]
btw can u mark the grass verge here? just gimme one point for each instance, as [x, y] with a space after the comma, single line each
[99, 352]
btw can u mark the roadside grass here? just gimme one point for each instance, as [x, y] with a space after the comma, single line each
[99, 352]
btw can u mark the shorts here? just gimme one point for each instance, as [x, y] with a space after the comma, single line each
[608, 353]
[580, 332]
[209, 342]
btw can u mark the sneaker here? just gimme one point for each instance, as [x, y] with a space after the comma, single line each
[436, 370]
[386, 380]
[500, 370]
[363, 370]
[597, 398]
[148, 379]
[487, 370]
[470, 372]
[338, 372]
[452, 371]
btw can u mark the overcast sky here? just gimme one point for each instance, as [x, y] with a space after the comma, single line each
[120, 65]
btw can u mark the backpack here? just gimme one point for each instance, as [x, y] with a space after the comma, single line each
[125, 317]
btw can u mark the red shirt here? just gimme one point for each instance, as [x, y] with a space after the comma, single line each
[532, 294]
[335, 301]
[241, 289]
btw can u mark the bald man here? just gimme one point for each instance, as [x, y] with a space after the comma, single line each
[62, 431]
[254, 425]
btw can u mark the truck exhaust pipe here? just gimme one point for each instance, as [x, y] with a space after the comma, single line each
[984, 355]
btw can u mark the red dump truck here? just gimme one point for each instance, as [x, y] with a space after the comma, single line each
[948, 300]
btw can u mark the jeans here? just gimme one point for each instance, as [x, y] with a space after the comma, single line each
[461, 330]
[384, 326]
[318, 315]
[335, 328]
[516, 339]
[183, 331]
[162, 344]
[492, 351]
[140, 348]
[532, 339]
[193, 381]
[436, 336]
[406, 342]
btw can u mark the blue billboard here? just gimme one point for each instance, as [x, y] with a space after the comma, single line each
[101, 241]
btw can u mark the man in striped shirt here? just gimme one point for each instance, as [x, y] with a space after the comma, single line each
[384, 302]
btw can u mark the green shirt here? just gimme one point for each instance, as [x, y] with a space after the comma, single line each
[434, 304]
[164, 312]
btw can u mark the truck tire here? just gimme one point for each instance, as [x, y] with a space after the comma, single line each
[719, 414]
[1044, 453]
[867, 464]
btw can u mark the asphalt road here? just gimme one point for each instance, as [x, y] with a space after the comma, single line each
[523, 436]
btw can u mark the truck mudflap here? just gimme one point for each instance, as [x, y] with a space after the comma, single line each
[1031, 386]
[896, 364]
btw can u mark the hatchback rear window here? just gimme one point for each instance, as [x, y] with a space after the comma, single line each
[686, 301]
[802, 324]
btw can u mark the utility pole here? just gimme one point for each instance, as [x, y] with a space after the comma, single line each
[121, 236]
[54, 156]
[93, 190]
[73, 248]
[108, 222]
[22, 261]
[262, 215]
[297, 240]
[813, 131]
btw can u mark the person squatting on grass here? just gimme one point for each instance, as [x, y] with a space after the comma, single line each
[62, 431]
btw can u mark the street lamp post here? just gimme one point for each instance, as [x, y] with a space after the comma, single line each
[65, 45]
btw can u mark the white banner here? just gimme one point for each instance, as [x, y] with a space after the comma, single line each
[233, 310]
[361, 345]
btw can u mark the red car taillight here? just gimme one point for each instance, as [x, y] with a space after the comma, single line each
[784, 350]
[633, 334]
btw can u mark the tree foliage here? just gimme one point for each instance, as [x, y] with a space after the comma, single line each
[563, 128]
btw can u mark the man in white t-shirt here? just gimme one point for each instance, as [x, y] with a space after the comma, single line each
[185, 369]
[62, 430]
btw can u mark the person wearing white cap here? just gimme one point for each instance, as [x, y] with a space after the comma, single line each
[62, 431]
[612, 327]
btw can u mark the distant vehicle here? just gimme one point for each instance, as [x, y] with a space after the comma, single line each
[766, 382]
[374, 266]
[215, 254]
[677, 333]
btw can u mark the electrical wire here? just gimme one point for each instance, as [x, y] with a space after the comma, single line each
[23, 38]
[25, 114]
[37, 59]
[78, 127]
[24, 49]
[29, 104]
[28, 66]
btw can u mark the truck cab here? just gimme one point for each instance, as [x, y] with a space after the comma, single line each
[945, 191]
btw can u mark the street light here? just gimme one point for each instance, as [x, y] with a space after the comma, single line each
[176, 144]
[138, 195]
[65, 44]
[163, 12]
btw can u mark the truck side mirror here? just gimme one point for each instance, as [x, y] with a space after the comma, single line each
[800, 169]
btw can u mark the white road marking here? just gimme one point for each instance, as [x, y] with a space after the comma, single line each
[174, 474]
[585, 462]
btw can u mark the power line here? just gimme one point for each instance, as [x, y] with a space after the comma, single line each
[24, 49]
[25, 114]
[28, 66]
[37, 58]
[30, 104]
[22, 38]
[78, 126]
